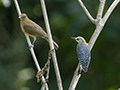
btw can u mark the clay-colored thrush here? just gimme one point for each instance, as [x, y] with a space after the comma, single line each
[32, 29]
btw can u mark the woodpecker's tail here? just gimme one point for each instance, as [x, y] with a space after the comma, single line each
[80, 70]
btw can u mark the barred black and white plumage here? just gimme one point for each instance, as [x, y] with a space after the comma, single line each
[83, 53]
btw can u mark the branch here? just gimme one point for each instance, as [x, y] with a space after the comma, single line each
[59, 81]
[17, 7]
[95, 36]
[100, 10]
[99, 27]
[101, 24]
[75, 78]
[31, 50]
[109, 11]
[33, 54]
[87, 12]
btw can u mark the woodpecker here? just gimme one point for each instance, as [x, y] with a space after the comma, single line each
[83, 53]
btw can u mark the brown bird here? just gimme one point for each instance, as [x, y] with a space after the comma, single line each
[32, 29]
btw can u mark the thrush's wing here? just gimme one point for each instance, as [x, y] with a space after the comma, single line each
[33, 29]
[83, 53]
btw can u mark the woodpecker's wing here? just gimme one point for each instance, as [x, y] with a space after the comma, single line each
[84, 56]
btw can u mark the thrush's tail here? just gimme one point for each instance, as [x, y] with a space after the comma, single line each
[55, 45]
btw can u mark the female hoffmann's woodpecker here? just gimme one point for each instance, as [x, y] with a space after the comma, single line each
[32, 29]
[83, 53]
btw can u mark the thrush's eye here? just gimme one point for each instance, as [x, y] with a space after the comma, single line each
[24, 16]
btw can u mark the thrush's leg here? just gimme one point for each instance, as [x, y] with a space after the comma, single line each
[31, 46]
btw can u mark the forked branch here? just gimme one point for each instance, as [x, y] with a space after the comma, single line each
[99, 22]
[87, 12]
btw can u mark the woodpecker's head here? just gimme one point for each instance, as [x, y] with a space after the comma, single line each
[23, 17]
[79, 39]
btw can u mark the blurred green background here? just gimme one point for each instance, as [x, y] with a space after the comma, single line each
[67, 19]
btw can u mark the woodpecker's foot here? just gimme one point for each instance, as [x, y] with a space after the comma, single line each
[80, 71]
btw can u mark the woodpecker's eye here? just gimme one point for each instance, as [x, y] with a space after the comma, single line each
[77, 39]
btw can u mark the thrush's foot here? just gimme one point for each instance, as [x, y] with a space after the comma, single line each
[31, 46]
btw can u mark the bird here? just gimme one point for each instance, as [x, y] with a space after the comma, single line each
[83, 53]
[32, 29]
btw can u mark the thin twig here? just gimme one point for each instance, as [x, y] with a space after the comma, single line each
[17, 7]
[100, 10]
[59, 81]
[109, 11]
[31, 50]
[99, 27]
[87, 12]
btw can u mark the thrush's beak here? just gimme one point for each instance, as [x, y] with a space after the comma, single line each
[73, 38]
[20, 16]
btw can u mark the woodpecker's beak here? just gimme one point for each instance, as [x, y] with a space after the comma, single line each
[73, 38]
